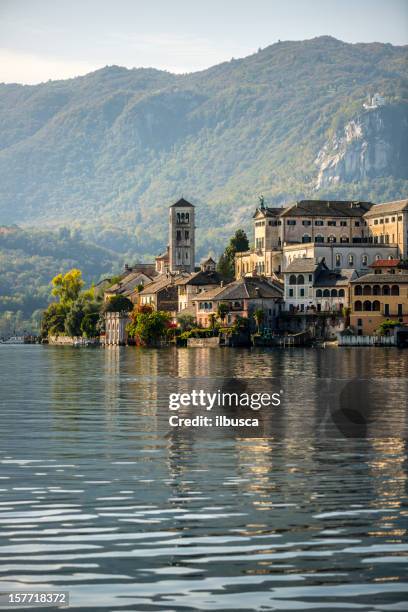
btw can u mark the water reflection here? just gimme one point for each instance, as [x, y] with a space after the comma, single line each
[99, 496]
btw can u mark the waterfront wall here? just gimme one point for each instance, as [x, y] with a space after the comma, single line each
[203, 342]
[367, 340]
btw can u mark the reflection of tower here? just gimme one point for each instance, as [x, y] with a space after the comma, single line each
[182, 239]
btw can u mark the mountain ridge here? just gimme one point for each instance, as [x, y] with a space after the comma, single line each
[118, 145]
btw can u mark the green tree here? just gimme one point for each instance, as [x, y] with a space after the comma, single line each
[149, 327]
[222, 310]
[89, 325]
[213, 319]
[67, 286]
[73, 320]
[185, 322]
[118, 303]
[53, 320]
[237, 244]
[259, 317]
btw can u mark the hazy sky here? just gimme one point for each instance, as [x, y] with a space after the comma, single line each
[51, 39]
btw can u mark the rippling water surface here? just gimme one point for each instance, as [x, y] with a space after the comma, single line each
[99, 497]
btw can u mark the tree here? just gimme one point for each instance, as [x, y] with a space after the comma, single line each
[213, 319]
[149, 327]
[67, 287]
[237, 244]
[73, 320]
[387, 326]
[222, 310]
[118, 303]
[259, 317]
[89, 325]
[185, 322]
[53, 320]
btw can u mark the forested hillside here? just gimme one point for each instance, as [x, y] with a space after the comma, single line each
[112, 149]
[28, 262]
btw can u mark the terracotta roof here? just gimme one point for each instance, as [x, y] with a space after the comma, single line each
[182, 203]
[160, 283]
[326, 208]
[129, 282]
[327, 278]
[304, 264]
[386, 263]
[200, 278]
[269, 212]
[244, 288]
[377, 279]
[387, 207]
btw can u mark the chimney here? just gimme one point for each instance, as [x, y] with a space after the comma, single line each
[222, 283]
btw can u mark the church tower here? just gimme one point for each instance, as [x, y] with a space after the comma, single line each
[182, 237]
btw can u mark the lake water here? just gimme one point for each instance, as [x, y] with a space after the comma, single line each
[100, 497]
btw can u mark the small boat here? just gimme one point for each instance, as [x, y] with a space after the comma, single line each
[14, 340]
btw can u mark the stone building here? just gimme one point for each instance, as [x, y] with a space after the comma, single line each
[346, 233]
[161, 294]
[388, 224]
[191, 285]
[376, 298]
[181, 237]
[115, 328]
[242, 297]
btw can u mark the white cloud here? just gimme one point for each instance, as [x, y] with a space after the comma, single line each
[29, 69]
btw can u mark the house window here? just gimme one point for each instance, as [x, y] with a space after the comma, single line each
[291, 222]
[387, 219]
[186, 234]
[331, 223]
[343, 223]
[306, 238]
[351, 260]
[178, 235]
[290, 292]
[400, 218]
[386, 310]
[400, 310]
[319, 238]
[306, 222]
[331, 238]
[344, 239]
[319, 222]
[300, 279]
[302, 293]
[364, 260]
[375, 221]
[338, 260]
[357, 223]
[319, 293]
[310, 278]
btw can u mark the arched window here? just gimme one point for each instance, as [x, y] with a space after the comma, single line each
[364, 260]
[338, 260]
[344, 239]
[378, 257]
[386, 290]
[333, 293]
[358, 290]
[366, 290]
[376, 305]
[331, 238]
[341, 293]
[326, 293]
[306, 238]
[292, 279]
[367, 305]
[350, 259]
[319, 293]
[376, 290]
[319, 238]
[300, 279]
[357, 306]
[395, 290]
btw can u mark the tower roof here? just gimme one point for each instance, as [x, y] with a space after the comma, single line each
[182, 202]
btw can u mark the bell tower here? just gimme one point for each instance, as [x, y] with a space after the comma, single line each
[182, 237]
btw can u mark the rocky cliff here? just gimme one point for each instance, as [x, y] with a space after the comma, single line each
[373, 145]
